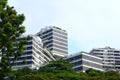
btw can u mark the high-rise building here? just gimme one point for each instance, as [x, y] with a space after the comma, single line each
[34, 54]
[55, 40]
[110, 57]
[83, 61]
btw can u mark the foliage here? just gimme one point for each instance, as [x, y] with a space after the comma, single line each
[10, 29]
[68, 76]
[57, 66]
[92, 72]
[112, 73]
[23, 71]
[61, 73]
[33, 77]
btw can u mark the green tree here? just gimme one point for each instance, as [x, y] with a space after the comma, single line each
[68, 76]
[112, 73]
[92, 72]
[56, 66]
[33, 77]
[10, 29]
[23, 71]
[2, 4]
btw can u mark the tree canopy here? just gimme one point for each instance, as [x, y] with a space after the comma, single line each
[47, 73]
[56, 67]
[10, 29]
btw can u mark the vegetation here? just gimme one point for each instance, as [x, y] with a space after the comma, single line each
[61, 70]
[10, 29]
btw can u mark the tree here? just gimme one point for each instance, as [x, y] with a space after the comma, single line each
[92, 72]
[56, 67]
[10, 29]
[23, 71]
[112, 73]
[33, 77]
[2, 4]
[68, 76]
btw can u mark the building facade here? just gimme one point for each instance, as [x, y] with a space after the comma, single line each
[110, 57]
[34, 54]
[82, 61]
[55, 40]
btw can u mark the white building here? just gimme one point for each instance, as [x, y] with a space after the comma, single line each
[55, 40]
[83, 61]
[110, 57]
[34, 54]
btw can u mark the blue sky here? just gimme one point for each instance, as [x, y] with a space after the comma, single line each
[89, 23]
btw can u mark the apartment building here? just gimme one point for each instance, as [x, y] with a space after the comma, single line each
[110, 57]
[82, 61]
[55, 40]
[34, 54]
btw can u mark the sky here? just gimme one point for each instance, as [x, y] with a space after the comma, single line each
[89, 23]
